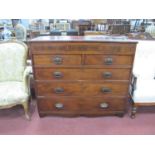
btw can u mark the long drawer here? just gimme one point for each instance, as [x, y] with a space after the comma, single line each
[81, 74]
[60, 105]
[63, 88]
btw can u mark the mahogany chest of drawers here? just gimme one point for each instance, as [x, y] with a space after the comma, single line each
[86, 76]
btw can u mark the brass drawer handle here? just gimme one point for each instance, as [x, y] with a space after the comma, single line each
[104, 105]
[106, 90]
[59, 106]
[57, 60]
[57, 74]
[108, 61]
[58, 90]
[107, 74]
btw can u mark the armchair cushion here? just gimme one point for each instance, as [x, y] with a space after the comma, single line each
[12, 61]
[145, 91]
[144, 63]
[12, 92]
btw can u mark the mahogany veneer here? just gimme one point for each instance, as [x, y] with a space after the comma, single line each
[87, 76]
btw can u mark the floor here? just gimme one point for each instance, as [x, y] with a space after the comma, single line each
[12, 121]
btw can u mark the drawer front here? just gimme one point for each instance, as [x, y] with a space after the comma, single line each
[81, 74]
[99, 104]
[105, 48]
[57, 60]
[82, 88]
[108, 60]
[81, 105]
[58, 104]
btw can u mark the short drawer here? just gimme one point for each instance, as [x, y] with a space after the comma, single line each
[81, 105]
[60, 104]
[108, 60]
[81, 74]
[57, 60]
[82, 88]
[100, 104]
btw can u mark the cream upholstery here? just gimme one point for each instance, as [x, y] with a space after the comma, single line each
[144, 63]
[144, 92]
[12, 61]
[14, 83]
[12, 92]
[144, 71]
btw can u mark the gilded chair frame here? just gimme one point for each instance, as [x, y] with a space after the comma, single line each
[26, 80]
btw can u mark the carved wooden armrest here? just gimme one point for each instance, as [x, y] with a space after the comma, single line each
[133, 84]
[26, 79]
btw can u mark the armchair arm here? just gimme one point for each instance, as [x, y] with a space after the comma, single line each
[29, 62]
[26, 78]
[133, 84]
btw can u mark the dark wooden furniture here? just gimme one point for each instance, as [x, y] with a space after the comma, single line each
[81, 75]
[83, 27]
[120, 29]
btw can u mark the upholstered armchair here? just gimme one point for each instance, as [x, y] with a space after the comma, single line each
[143, 80]
[14, 76]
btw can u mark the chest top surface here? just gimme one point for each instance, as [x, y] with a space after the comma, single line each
[82, 39]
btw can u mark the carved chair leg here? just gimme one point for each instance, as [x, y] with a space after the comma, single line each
[133, 111]
[26, 110]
